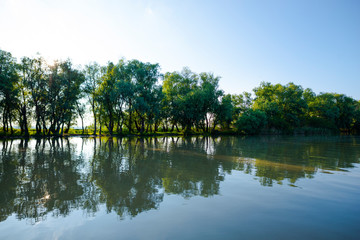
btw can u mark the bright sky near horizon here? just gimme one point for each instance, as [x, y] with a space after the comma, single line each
[315, 44]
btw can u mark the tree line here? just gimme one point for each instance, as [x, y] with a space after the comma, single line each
[133, 97]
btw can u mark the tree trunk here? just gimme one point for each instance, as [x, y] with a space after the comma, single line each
[100, 124]
[68, 126]
[130, 115]
[21, 122]
[137, 126]
[38, 124]
[58, 127]
[4, 122]
[44, 125]
[142, 125]
[118, 124]
[187, 128]
[94, 124]
[121, 127]
[110, 125]
[207, 124]
[38, 129]
[11, 128]
[26, 129]
[110, 128]
[214, 126]
[82, 125]
[93, 109]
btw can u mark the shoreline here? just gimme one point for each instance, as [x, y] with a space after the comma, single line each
[169, 135]
[118, 135]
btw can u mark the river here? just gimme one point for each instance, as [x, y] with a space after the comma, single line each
[271, 187]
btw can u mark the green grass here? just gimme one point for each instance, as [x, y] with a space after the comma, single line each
[125, 132]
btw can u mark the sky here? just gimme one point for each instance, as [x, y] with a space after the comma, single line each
[313, 43]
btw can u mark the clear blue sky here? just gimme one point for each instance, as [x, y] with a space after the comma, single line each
[312, 43]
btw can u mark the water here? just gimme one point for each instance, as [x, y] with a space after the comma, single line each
[180, 188]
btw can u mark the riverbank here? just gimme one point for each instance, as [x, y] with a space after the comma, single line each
[156, 134]
[78, 133]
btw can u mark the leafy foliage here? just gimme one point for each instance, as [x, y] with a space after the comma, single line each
[135, 97]
[251, 122]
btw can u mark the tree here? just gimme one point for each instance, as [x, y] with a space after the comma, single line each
[106, 95]
[209, 86]
[124, 90]
[192, 99]
[241, 103]
[323, 111]
[146, 93]
[284, 106]
[356, 122]
[347, 108]
[251, 122]
[92, 74]
[63, 93]
[224, 112]
[8, 89]
[26, 74]
[81, 110]
[36, 84]
[72, 80]
[179, 88]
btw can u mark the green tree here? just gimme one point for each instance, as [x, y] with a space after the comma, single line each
[8, 89]
[106, 96]
[124, 93]
[323, 111]
[251, 122]
[193, 100]
[224, 112]
[347, 108]
[284, 105]
[92, 74]
[146, 100]
[26, 74]
[36, 84]
[64, 88]
[241, 103]
[180, 91]
[356, 122]
[210, 99]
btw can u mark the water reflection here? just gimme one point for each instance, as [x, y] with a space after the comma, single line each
[131, 175]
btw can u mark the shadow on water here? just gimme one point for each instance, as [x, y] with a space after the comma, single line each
[131, 175]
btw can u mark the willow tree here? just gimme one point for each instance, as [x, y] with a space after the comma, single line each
[210, 99]
[8, 89]
[284, 105]
[64, 90]
[146, 95]
[179, 89]
[92, 74]
[193, 99]
[35, 82]
[106, 96]
[24, 107]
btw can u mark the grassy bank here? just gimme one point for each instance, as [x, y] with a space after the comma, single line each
[90, 133]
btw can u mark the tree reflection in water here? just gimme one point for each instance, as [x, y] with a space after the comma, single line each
[131, 175]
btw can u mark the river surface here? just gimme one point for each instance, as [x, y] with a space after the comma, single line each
[181, 188]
